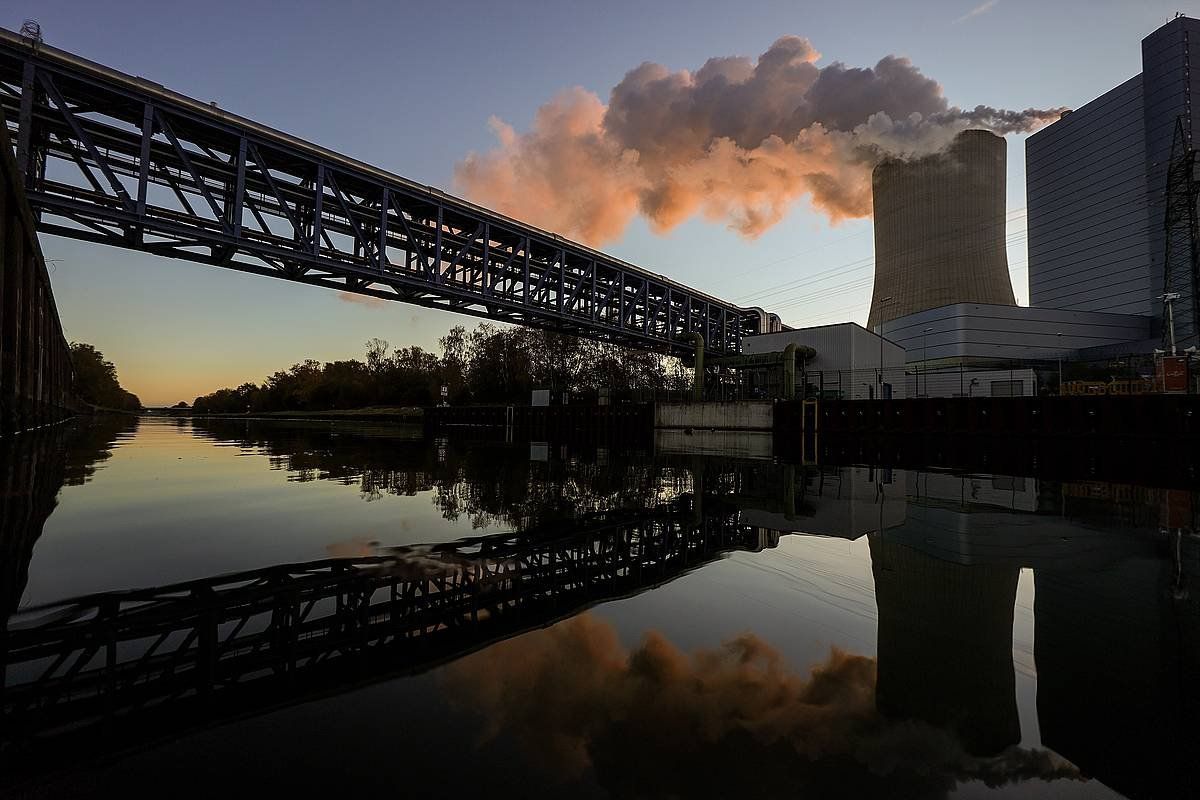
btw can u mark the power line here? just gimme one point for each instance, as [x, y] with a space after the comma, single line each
[867, 261]
[865, 304]
[844, 269]
[791, 294]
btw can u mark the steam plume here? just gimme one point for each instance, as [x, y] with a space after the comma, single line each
[735, 141]
[728, 722]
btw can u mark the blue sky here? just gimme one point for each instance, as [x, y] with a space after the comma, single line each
[410, 87]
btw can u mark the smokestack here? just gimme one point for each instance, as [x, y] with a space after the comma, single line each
[939, 229]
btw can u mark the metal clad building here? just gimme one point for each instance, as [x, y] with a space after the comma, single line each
[1086, 196]
[977, 332]
[870, 362]
[1167, 87]
[845, 345]
[1096, 182]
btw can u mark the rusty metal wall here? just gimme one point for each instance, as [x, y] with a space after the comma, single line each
[36, 379]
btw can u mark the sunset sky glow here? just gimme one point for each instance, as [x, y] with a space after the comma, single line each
[411, 87]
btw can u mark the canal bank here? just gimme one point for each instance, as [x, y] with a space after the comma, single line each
[1142, 416]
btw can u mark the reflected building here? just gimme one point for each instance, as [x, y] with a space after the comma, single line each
[1117, 658]
[841, 502]
[1117, 620]
[1027, 522]
[945, 644]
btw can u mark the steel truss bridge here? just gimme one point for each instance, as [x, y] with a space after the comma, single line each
[149, 662]
[118, 160]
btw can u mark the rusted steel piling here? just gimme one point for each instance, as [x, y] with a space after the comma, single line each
[36, 379]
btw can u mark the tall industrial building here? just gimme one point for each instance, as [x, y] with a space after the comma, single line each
[1096, 184]
[1097, 195]
[939, 229]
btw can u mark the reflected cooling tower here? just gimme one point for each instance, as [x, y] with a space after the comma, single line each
[939, 229]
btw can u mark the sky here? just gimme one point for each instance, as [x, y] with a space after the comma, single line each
[411, 87]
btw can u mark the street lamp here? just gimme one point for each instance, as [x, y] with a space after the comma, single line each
[1169, 301]
[925, 358]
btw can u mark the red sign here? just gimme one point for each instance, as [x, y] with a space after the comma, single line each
[1172, 374]
[1178, 511]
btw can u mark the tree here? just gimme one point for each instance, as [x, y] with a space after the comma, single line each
[489, 364]
[96, 380]
[377, 355]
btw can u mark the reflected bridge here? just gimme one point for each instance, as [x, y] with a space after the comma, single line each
[154, 659]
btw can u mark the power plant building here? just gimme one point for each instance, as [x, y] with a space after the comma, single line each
[1096, 196]
[1096, 186]
[1089, 244]
[942, 286]
[939, 229]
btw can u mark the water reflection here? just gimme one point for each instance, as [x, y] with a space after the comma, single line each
[494, 483]
[566, 526]
[726, 722]
[1118, 652]
[35, 467]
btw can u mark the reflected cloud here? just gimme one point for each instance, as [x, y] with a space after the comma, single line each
[353, 548]
[659, 722]
[362, 300]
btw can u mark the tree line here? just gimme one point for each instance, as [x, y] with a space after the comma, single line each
[96, 380]
[485, 365]
[488, 484]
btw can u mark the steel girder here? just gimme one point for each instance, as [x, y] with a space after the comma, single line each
[118, 160]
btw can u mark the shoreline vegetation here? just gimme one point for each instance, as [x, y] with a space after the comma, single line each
[96, 381]
[487, 365]
[400, 414]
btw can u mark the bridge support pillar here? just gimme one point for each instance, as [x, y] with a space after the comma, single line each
[36, 379]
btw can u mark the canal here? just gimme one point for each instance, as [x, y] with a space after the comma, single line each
[241, 607]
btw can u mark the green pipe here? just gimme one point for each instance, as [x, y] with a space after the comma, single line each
[789, 372]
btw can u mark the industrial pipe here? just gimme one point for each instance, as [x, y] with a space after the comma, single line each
[789, 366]
[789, 372]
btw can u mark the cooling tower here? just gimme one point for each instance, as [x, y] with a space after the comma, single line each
[939, 229]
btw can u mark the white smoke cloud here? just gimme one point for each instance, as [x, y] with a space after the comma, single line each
[737, 141]
[977, 11]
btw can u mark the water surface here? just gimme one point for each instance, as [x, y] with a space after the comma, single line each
[625, 619]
